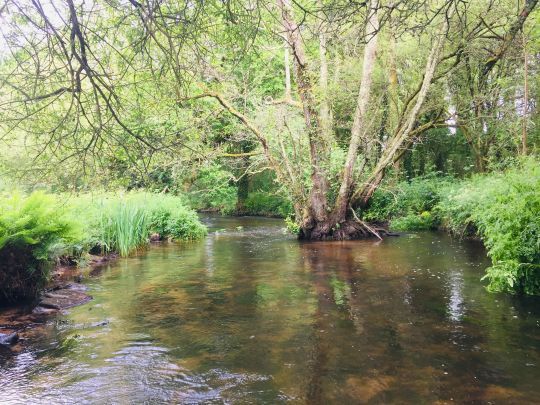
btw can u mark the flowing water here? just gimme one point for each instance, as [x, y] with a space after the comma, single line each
[251, 315]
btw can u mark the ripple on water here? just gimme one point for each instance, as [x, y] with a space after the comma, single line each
[250, 315]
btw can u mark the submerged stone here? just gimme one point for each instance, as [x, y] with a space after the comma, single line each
[8, 339]
[65, 298]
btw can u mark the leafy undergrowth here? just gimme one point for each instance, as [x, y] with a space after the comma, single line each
[408, 206]
[34, 232]
[267, 204]
[503, 209]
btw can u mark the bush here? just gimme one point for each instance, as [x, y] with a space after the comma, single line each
[170, 218]
[124, 223]
[414, 222]
[408, 205]
[34, 231]
[212, 190]
[504, 209]
[266, 204]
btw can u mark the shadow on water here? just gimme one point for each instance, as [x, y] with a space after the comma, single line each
[252, 315]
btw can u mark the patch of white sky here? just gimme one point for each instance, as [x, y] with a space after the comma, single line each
[13, 28]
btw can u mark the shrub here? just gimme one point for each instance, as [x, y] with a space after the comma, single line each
[504, 208]
[124, 223]
[408, 205]
[34, 231]
[266, 204]
[170, 218]
[414, 222]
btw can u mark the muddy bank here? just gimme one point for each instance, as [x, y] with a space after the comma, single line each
[22, 321]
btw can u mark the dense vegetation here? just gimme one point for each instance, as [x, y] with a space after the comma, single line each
[39, 230]
[502, 208]
[342, 117]
[33, 231]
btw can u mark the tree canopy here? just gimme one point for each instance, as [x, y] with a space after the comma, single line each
[332, 97]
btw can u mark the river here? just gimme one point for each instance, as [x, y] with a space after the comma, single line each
[251, 315]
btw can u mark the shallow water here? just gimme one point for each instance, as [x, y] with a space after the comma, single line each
[251, 315]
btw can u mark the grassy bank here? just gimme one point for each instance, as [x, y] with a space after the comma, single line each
[125, 223]
[503, 209]
[39, 230]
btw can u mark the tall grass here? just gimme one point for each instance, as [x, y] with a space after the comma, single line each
[124, 227]
[123, 223]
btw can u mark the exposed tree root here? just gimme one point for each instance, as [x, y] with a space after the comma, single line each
[350, 229]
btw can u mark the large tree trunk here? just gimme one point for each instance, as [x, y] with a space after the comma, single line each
[318, 203]
[358, 126]
[324, 109]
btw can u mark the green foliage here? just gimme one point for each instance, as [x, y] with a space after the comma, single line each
[124, 223]
[501, 208]
[408, 204]
[292, 225]
[504, 208]
[414, 222]
[266, 204]
[34, 230]
[212, 190]
[38, 229]
[439, 151]
[124, 227]
[170, 218]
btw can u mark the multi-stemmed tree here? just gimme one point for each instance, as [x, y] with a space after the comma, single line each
[134, 78]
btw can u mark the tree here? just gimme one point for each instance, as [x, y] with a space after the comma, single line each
[330, 146]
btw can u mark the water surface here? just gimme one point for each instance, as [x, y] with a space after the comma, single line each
[251, 315]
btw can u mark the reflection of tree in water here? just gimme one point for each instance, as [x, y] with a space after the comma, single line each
[344, 324]
[385, 326]
[337, 322]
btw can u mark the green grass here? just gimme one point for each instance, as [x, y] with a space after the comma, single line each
[123, 223]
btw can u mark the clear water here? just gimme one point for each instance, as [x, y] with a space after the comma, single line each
[251, 315]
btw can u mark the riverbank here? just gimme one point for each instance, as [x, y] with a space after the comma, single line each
[40, 231]
[501, 209]
[65, 289]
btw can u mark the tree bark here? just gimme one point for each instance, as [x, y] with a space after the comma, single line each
[324, 109]
[358, 126]
[288, 94]
[525, 97]
[318, 203]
